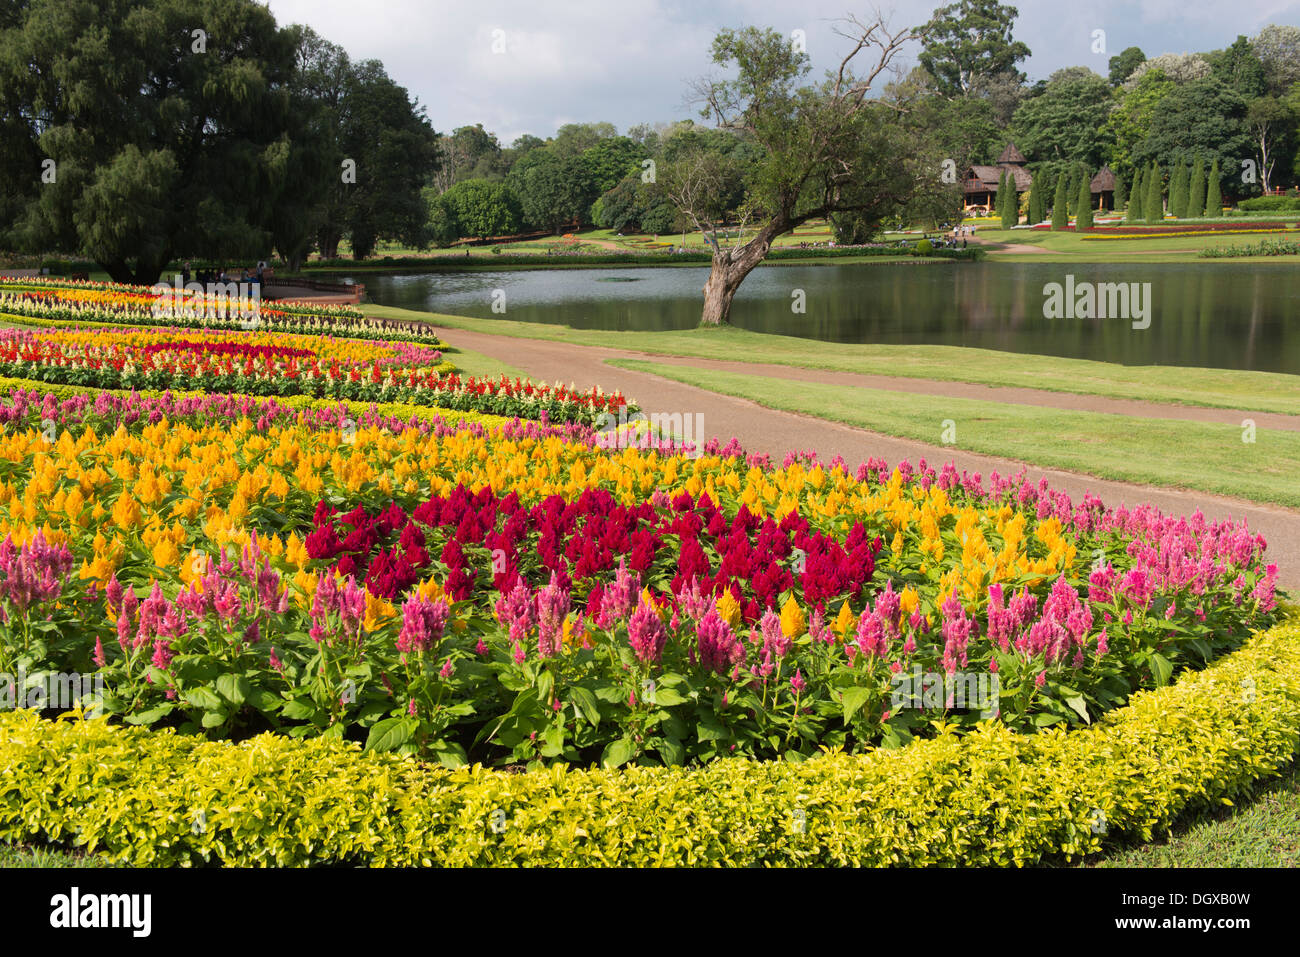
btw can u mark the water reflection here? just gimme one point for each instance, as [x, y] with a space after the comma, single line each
[1216, 315]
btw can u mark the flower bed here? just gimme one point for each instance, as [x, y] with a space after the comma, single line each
[519, 595]
[66, 301]
[262, 363]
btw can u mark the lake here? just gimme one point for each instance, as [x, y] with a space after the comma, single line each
[1217, 315]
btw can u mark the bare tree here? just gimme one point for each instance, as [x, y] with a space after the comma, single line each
[821, 149]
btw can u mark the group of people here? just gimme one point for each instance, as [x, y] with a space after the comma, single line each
[206, 277]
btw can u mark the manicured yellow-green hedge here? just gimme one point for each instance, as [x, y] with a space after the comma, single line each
[993, 797]
[397, 409]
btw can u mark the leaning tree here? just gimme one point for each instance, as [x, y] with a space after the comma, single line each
[817, 150]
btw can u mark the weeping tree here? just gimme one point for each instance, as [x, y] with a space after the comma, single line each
[815, 150]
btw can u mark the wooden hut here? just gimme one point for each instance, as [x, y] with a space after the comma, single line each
[981, 182]
[1103, 188]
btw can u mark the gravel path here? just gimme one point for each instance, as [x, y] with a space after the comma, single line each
[776, 432]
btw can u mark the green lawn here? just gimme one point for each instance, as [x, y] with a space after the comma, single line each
[1219, 388]
[1070, 247]
[25, 855]
[1261, 832]
[1165, 452]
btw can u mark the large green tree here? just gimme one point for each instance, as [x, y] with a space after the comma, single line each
[481, 208]
[1204, 116]
[822, 149]
[1123, 64]
[553, 191]
[388, 153]
[1067, 120]
[972, 41]
[164, 141]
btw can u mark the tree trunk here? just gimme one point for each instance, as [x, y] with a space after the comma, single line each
[730, 267]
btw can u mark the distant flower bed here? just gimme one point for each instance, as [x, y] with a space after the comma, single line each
[77, 301]
[1184, 229]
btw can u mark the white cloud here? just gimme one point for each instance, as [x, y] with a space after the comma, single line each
[629, 62]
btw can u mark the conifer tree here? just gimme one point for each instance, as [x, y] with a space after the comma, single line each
[1196, 189]
[1084, 219]
[1134, 214]
[1119, 197]
[1213, 196]
[999, 198]
[1060, 215]
[1037, 208]
[1178, 192]
[1011, 211]
[1154, 206]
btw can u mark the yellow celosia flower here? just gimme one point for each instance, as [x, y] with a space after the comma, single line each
[729, 609]
[793, 620]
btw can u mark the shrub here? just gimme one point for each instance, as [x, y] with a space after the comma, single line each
[1270, 204]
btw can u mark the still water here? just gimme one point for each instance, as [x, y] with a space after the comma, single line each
[1217, 315]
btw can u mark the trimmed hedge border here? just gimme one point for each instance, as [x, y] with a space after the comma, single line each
[992, 798]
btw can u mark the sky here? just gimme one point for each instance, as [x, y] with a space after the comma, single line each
[530, 67]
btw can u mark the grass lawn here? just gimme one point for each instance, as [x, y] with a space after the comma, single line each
[1261, 832]
[1070, 247]
[24, 855]
[1165, 452]
[1220, 388]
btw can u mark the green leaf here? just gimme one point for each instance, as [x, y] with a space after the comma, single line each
[300, 709]
[214, 719]
[853, 700]
[1080, 707]
[671, 750]
[150, 716]
[667, 697]
[552, 742]
[586, 704]
[389, 734]
[708, 731]
[545, 685]
[1161, 669]
[618, 753]
[234, 688]
[204, 698]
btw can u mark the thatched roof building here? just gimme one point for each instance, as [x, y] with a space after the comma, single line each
[981, 183]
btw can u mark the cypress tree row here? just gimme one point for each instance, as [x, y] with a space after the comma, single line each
[1011, 210]
[1134, 214]
[1196, 189]
[1153, 205]
[999, 198]
[1213, 196]
[1119, 197]
[1060, 215]
[1178, 192]
[1084, 204]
